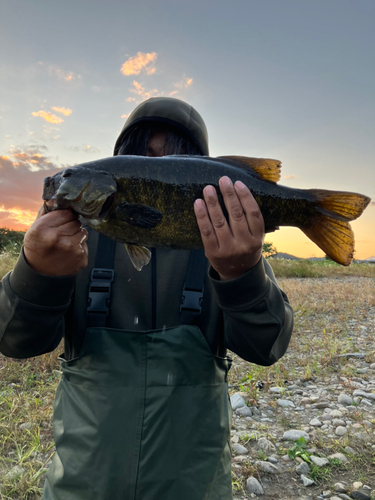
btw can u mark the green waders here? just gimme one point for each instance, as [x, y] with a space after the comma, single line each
[142, 416]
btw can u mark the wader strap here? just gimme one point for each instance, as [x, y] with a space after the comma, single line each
[101, 282]
[192, 293]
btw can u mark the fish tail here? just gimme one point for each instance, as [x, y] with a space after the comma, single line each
[331, 230]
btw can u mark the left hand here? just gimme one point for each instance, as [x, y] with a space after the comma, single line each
[235, 247]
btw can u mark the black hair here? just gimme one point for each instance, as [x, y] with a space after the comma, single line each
[136, 139]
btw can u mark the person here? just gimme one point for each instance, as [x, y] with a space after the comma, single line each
[142, 408]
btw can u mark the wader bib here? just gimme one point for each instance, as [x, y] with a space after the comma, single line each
[142, 416]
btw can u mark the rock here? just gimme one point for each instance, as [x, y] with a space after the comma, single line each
[338, 421]
[285, 403]
[276, 390]
[320, 462]
[326, 493]
[294, 435]
[357, 485]
[335, 498]
[350, 450]
[340, 488]
[267, 467]
[358, 495]
[26, 425]
[336, 414]
[237, 401]
[339, 456]
[315, 422]
[266, 445]
[245, 411]
[306, 481]
[321, 405]
[344, 399]
[341, 431]
[253, 486]
[239, 449]
[303, 468]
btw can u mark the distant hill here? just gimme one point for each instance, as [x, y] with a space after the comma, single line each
[288, 256]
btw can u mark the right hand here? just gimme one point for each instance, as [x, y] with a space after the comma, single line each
[55, 245]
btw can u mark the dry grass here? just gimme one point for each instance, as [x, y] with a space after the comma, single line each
[333, 316]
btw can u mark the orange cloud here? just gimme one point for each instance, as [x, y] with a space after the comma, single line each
[290, 176]
[21, 186]
[184, 83]
[142, 61]
[63, 111]
[68, 76]
[139, 90]
[47, 116]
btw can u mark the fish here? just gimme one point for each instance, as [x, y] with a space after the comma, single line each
[149, 202]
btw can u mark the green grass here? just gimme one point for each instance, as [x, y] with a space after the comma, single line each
[319, 269]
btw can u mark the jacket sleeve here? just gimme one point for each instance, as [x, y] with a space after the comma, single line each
[258, 319]
[32, 308]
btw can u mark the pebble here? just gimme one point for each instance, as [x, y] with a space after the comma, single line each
[320, 462]
[267, 467]
[341, 431]
[253, 486]
[294, 435]
[285, 403]
[303, 468]
[239, 449]
[266, 445]
[344, 399]
[237, 401]
[340, 488]
[306, 481]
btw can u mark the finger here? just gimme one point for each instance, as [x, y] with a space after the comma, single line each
[206, 229]
[218, 220]
[237, 217]
[59, 217]
[252, 211]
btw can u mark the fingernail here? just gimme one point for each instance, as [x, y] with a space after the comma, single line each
[209, 190]
[240, 185]
[225, 181]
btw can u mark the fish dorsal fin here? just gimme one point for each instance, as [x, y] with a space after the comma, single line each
[267, 169]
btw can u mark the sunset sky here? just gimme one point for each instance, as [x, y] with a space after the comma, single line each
[287, 79]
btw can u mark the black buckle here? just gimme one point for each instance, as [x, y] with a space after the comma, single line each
[100, 290]
[192, 300]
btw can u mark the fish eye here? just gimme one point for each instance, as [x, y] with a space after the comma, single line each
[67, 173]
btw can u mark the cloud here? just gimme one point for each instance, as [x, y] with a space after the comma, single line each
[63, 111]
[22, 171]
[85, 148]
[139, 90]
[47, 116]
[184, 83]
[125, 116]
[141, 62]
[290, 176]
[68, 76]
[372, 204]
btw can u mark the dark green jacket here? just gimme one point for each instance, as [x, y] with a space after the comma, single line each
[250, 315]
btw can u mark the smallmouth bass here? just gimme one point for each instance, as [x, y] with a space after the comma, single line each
[142, 201]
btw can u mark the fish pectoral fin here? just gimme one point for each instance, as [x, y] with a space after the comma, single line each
[267, 169]
[139, 215]
[139, 256]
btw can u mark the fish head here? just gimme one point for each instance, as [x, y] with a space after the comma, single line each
[88, 192]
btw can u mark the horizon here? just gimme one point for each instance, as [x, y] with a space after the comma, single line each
[293, 81]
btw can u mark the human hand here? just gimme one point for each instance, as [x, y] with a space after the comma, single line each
[55, 245]
[232, 247]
